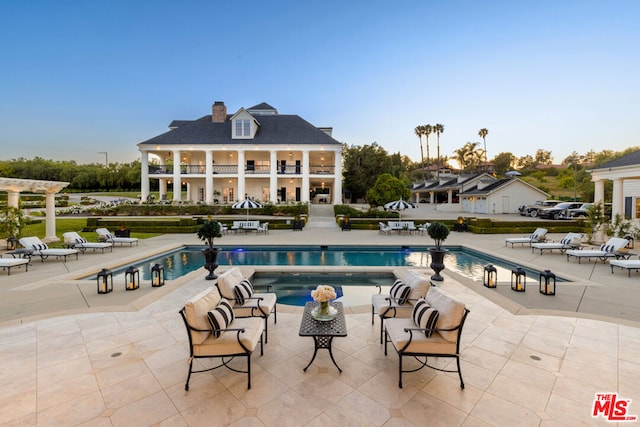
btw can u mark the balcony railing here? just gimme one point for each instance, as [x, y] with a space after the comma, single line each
[233, 169]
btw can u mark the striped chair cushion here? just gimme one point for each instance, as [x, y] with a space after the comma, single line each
[242, 291]
[425, 316]
[220, 317]
[400, 291]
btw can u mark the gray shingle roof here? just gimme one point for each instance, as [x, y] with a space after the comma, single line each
[274, 129]
[628, 160]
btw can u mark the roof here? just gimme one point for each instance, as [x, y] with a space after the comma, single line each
[628, 160]
[492, 187]
[274, 129]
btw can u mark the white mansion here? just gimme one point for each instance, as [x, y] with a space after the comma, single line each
[255, 153]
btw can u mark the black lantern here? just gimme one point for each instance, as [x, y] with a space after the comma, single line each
[547, 283]
[157, 276]
[104, 280]
[11, 243]
[518, 279]
[490, 279]
[131, 278]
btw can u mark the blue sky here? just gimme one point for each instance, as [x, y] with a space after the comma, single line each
[82, 77]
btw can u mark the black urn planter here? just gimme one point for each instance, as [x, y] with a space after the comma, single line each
[211, 262]
[437, 263]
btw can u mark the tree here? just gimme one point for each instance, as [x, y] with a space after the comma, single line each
[438, 129]
[386, 189]
[543, 157]
[426, 131]
[483, 134]
[362, 165]
[469, 156]
[419, 131]
[504, 162]
[525, 162]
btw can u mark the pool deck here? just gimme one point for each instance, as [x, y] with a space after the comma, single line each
[527, 359]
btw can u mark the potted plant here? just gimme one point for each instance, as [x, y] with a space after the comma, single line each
[439, 233]
[207, 232]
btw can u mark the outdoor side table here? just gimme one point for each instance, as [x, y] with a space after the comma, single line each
[323, 332]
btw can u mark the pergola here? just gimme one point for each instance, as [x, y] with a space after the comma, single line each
[15, 186]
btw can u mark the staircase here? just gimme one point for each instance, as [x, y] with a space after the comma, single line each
[321, 216]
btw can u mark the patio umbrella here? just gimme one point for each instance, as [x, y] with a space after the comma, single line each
[513, 173]
[399, 205]
[247, 204]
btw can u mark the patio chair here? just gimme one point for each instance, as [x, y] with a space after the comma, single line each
[422, 228]
[384, 228]
[263, 228]
[215, 332]
[570, 241]
[41, 249]
[433, 330]
[539, 235]
[75, 241]
[606, 250]
[107, 236]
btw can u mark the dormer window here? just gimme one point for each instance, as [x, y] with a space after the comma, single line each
[243, 128]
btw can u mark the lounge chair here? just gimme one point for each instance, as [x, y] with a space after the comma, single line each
[7, 263]
[41, 249]
[628, 264]
[384, 228]
[537, 236]
[607, 250]
[263, 228]
[75, 241]
[570, 241]
[107, 236]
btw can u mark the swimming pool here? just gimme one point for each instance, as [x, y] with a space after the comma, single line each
[467, 262]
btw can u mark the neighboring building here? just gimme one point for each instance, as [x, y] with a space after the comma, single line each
[255, 153]
[625, 174]
[445, 190]
[501, 196]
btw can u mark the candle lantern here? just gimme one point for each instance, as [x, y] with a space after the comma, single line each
[131, 278]
[157, 276]
[104, 280]
[518, 279]
[547, 283]
[490, 279]
[11, 243]
[631, 243]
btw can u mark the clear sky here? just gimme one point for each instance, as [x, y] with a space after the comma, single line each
[78, 78]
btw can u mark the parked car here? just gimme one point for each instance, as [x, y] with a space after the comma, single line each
[558, 211]
[533, 210]
[583, 211]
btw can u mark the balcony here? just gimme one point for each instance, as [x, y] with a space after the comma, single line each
[233, 169]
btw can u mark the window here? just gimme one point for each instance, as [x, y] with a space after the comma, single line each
[243, 128]
[637, 207]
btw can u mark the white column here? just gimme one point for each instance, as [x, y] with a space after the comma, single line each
[337, 179]
[162, 187]
[304, 197]
[273, 176]
[50, 208]
[144, 176]
[208, 179]
[617, 199]
[13, 198]
[432, 197]
[449, 196]
[598, 196]
[177, 177]
[241, 184]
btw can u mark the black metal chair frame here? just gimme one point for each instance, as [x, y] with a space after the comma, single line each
[225, 358]
[417, 356]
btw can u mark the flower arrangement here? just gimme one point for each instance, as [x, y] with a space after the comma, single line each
[323, 293]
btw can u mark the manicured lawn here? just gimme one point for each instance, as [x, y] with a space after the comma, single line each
[71, 224]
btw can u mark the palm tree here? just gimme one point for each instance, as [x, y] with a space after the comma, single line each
[418, 130]
[467, 156]
[438, 129]
[426, 131]
[483, 133]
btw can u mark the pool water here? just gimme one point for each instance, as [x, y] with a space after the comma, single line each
[464, 261]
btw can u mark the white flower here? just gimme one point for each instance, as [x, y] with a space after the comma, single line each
[323, 293]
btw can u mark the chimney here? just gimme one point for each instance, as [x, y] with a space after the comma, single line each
[218, 112]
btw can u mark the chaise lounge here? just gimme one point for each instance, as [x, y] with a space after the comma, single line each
[75, 241]
[570, 241]
[606, 250]
[625, 264]
[107, 236]
[539, 235]
[7, 263]
[41, 249]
